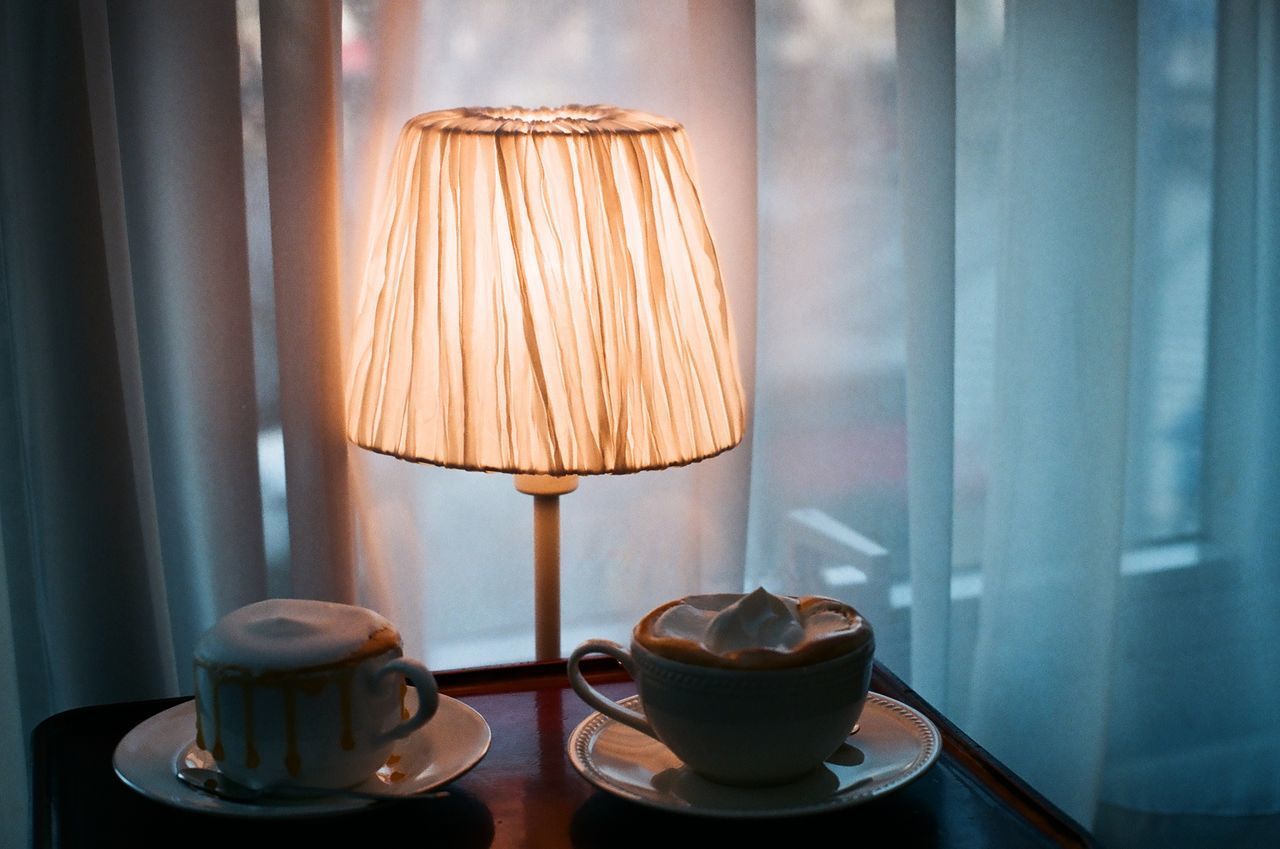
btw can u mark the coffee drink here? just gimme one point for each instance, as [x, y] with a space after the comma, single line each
[302, 692]
[744, 689]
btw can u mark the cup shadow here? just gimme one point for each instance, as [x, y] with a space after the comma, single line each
[458, 819]
[606, 821]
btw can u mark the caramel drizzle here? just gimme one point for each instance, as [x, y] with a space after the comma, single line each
[311, 681]
[199, 720]
[218, 752]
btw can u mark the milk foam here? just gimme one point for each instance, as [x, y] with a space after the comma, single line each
[292, 633]
[756, 630]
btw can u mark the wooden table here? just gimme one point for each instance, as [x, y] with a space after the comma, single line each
[525, 792]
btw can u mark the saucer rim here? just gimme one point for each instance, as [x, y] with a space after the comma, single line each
[929, 750]
[191, 799]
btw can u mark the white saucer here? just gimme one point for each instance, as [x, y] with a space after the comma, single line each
[893, 745]
[148, 757]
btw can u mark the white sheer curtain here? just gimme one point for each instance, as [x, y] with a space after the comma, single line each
[129, 498]
[1073, 553]
[1052, 540]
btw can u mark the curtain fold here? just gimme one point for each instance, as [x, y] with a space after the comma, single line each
[1052, 542]
[1176, 747]
[1243, 432]
[926, 59]
[1241, 465]
[177, 105]
[302, 79]
[721, 117]
[81, 603]
[130, 497]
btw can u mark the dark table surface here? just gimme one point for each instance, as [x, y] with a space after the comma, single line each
[526, 793]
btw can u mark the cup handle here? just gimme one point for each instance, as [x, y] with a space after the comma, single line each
[592, 696]
[428, 696]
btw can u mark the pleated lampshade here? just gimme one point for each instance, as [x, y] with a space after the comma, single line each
[543, 297]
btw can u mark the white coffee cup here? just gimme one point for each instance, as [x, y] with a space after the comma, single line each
[305, 693]
[746, 726]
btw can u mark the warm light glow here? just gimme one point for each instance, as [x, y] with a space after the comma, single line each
[543, 296]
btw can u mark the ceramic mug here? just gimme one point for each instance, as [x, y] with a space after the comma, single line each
[737, 726]
[305, 693]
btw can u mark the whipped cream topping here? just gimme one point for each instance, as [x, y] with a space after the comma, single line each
[294, 633]
[758, 630]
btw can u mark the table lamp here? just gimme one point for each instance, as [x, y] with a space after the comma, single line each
[543, 299]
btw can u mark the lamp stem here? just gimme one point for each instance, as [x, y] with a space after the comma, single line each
[546, 491]
[546, 576]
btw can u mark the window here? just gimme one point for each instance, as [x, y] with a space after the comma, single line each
[829, 463]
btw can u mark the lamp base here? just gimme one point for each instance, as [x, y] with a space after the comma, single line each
[546, 491]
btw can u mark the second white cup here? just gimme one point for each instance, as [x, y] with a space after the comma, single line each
[737, 726]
